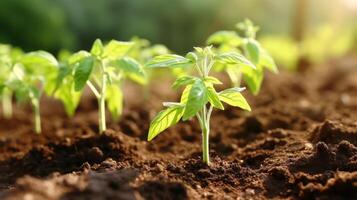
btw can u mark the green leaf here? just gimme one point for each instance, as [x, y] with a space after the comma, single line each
[168, 60]
[213, 98]
[192, 57]
[212, 80]
[21, 94]
[68, 96]
[63, 71]
[82, 73]
[253, 50]
[233, 97]
[235, 75]
[185, 93]
[234, 58]
[164, 120]
[267, 61]
[196, 99]
[116, 49]
[2, 87]
[38, 59]
[97, 48]
[183, 80]
[76, 57]
[253, 79]
[114, 98]
[225, 37]
[128, 66]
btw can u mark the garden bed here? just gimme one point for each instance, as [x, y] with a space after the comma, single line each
[299, 141]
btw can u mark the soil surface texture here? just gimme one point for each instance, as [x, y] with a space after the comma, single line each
[299, 142]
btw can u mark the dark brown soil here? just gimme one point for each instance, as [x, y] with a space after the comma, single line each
[299, 142]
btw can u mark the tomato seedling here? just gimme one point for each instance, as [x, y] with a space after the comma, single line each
[102, 70]
[34, 74]
[5, 70]
[198, 91]
[251, 48]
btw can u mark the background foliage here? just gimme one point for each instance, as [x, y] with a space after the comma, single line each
[74, 24]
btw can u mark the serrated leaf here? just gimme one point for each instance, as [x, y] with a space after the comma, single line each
[168, 60]
[116, 49]
[213, 98]
[164, 120]
[234, 58]
[183, 81]
[233, 97]
[97, 48]
[114, 98]
[212, 80]
[82, 73]
[196, 99]
[253, 50]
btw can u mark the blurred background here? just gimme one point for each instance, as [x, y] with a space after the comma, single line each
[310, 28]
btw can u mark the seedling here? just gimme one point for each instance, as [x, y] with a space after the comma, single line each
[5, 70]
[102, 70]
[34, 74]
[199, 96]
[251, 48]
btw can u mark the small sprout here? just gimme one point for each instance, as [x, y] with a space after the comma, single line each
[251, 48]
[102, 69]
[34, 74]
[199, 96]
[8, 56]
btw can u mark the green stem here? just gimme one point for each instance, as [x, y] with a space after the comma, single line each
[205, 145]
[36, 108]
[101, 105]
[204, 122]
[7, 105]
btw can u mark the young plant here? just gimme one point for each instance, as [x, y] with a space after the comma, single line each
[5, 70]
[199, 96]
[34, 74]
[251, 48]
[102, 70]
[8, 57]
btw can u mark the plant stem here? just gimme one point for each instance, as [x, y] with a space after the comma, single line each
[36, 107]
[204, 122]
[7, 105]
[205, 145]
[101, 105]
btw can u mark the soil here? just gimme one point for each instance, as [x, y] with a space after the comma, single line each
[299, 142]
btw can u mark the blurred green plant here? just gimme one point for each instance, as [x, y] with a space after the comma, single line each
[34, 74]
[325, 43]
[8, 57]
[283, 49]
[102, 70]
[251, 48]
